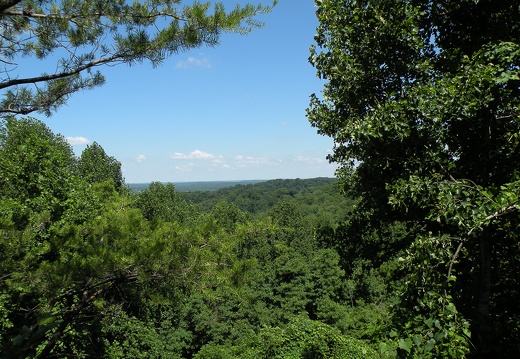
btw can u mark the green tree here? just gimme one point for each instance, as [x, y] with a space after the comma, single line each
[228, 216]
[71, 38]
[37, 171]
[161, 202]
[421, 99]
[72, 255]
[95, 166]
[68, 290]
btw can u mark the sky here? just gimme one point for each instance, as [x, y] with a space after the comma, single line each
[232, 112]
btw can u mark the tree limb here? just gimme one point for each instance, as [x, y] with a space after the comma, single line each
[452, 261]
[34, 15]
[6, 4]
[497, 213]
[86, 300]
[44, 78]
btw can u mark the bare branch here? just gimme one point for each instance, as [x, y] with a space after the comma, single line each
[454, 258]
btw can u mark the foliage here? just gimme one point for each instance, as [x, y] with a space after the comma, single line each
[301, 338]
[228, 216]
[421, 99]
[88, 270]
[436, 328]
[70, 252]
[72, 38]
[38, 186]
[35, 163]
[315, 196]
[95, 166]
[162, 202]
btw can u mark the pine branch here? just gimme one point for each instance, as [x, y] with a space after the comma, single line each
[6, 4]
[45, 78]
[34, 15]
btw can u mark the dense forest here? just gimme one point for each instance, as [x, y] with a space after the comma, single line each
[92, 269]
[317, 195]
[411, 252]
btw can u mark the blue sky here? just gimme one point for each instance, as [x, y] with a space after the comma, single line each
[233, 112]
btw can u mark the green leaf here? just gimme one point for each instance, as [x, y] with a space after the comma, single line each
[417, 340]
[46, 319]
[438, 336]
[405, 344]
[429, 345]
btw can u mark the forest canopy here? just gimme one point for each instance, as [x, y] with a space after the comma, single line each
[90, 268]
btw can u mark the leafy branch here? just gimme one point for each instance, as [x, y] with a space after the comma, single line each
[87, 34]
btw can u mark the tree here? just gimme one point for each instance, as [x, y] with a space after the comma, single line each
[95, 166]
[228, 216]
[75, 261]
[421, 100]
[72, 38]
[160, 202]
[37, 169]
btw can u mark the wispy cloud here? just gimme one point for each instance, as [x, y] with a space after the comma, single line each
[201, 61]
[140, 158]
[243, 161]
[77, 141]
[195, 155]
[313, 160]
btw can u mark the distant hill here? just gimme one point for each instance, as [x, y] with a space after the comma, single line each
[260, 196]
[319, 199]
[200, 186]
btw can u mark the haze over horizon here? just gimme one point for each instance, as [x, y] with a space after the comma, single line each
[229, 181]
[230, 113]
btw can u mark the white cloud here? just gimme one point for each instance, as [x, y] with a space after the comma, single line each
[203, 155]
[201, 61]
[178, 155]
[313, 160]
[196, 155]
[243, 161]
[78, 140]
[140, 158]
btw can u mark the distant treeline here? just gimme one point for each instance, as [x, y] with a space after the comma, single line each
[195, 186]
[314, 195]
